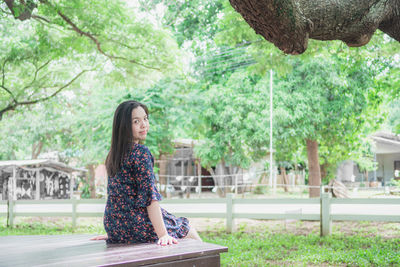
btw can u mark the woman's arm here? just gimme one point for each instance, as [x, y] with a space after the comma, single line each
[156, 219]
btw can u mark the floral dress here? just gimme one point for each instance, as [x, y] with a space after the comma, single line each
[130, 191]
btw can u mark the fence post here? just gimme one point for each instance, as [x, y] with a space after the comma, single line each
[229, 213]
[74, 202]
[11, 213]
[326, 223]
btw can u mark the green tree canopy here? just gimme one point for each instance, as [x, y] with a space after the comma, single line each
[50, 51]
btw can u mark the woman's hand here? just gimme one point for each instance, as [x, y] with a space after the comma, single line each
[156, 219]
[100, 237]
[166, 240]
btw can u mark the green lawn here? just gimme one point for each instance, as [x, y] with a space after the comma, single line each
[263, 247]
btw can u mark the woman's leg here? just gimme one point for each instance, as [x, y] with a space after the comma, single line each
[193, 234]
[100, 237]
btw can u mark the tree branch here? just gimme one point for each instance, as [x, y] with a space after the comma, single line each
[122, 44]
[24, 8]
[36, 149]
[211, 171]
[3, 82]
[8, 91]
[10, 4]
[29, 5]
[3, 72]
[56, 92]
[36, 72]
[48, 23]
[40, 18]
[17, 103]
[98, 44]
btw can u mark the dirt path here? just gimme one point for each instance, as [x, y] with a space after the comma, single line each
[386, 230]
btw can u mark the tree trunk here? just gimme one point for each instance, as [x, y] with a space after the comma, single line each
[222, 177]
[324, 170]
[189, 181]
[314, 172]
[289, 24]
[91, 180]
[36, 149]
[219, 179]
[285, 179]
[25, 8]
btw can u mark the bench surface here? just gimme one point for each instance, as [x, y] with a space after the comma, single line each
[78, 250]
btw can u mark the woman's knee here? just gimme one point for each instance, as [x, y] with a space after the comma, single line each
[193, 234]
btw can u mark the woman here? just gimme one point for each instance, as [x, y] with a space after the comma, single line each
[132, 213]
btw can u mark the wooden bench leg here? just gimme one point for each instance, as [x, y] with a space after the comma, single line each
[206, 261]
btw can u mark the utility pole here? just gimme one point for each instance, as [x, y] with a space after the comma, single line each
[272, 176]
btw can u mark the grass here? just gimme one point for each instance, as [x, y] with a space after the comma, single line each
[45, 226]
[263, 245]
[277, 249]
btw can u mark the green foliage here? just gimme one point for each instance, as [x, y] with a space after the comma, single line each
[260, 190]
[34, 65]
[236, 121]
[330, 100]
[42, 58]
[394, 115]
[43, 123]
[330, 93]
[66, 39]
[192, 22]
[233, 29]
[93, 124]
[122, 37]
[394, 182]
[166, 101]
[79, 124]
[85, 192]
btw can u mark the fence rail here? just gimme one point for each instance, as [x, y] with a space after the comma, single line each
[230, 208]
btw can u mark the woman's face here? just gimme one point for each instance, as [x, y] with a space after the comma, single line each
[140, 124]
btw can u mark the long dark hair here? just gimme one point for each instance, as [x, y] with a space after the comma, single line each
[122, 136]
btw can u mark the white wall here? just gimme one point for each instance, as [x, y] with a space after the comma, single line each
[386, 165]
[345, 171]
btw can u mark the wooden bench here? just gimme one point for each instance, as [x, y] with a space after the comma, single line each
[78, 250]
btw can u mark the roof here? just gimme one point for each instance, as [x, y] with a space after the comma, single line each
[185, 142]
[388, 136]
[386, 143]
[5, 164]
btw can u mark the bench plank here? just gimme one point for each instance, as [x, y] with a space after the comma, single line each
[78, 250]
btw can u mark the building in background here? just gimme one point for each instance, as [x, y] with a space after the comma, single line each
[36, 179]
[387, 157]
[181, 173]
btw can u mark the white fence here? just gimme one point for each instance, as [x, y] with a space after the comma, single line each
[324, 209]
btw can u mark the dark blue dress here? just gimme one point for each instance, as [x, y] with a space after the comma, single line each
[130, 191]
